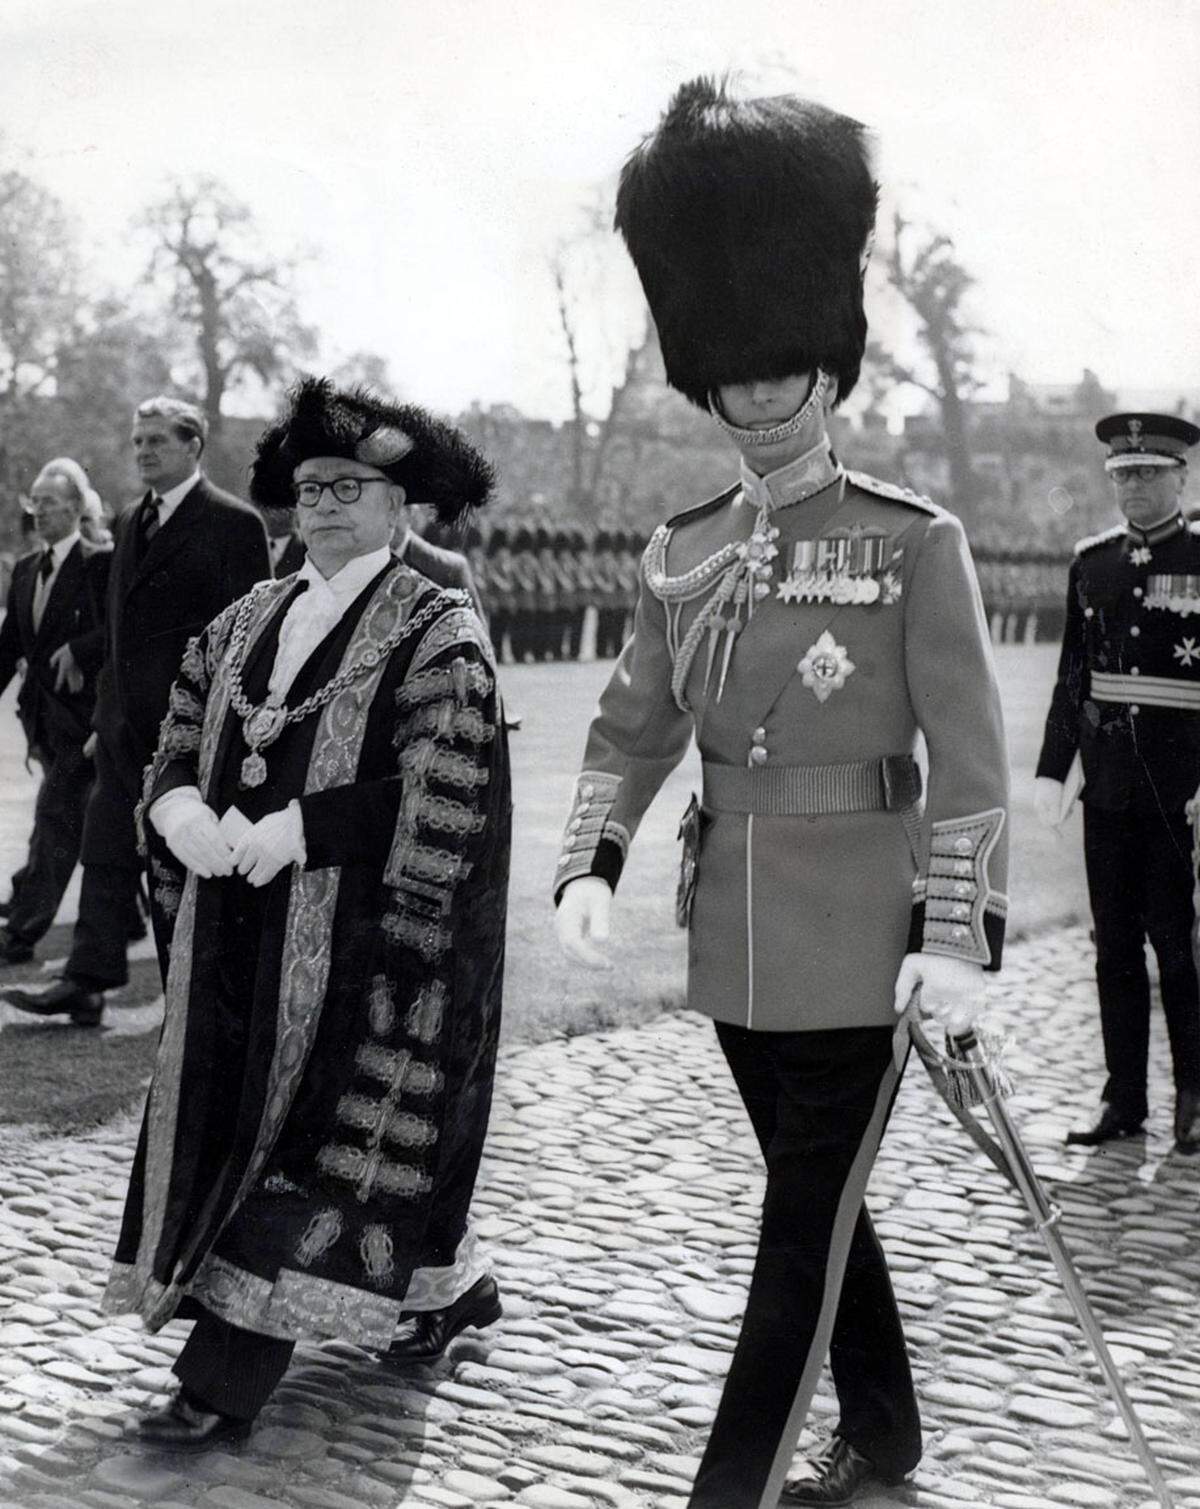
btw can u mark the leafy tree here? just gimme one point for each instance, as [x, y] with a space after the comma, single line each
[233, 300]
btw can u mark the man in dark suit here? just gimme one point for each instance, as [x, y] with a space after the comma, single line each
[284, 544]
[180, 556]
[54, 625]
[442, 566]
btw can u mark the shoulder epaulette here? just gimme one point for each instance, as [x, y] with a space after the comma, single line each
[892, 492]
[1090, 541]
[702, 510]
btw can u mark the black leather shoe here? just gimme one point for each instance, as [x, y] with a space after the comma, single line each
[1187, 1121]
[434, 1330]
[64, 998]
[186, 1425]
[14, 950]
[837, 1477]
[1112, 1124]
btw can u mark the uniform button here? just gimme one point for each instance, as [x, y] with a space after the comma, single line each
[759, 736]
[588, 790]
[961, 888]
[758, 754]
[583, 807]
[1133, 671]
[1134, 709]
[962, 867]
[963, 845]
[1137, 592]
[566, 859]
[1088, 612]
[761, 590]
[1135, 631]
[574, 825]
[959, 932]
[962, 911]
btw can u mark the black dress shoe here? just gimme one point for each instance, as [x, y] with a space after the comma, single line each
[187, 1425]
[837, 1477]
[1112, 1124]
[1187, 1121]
[14, 950]
[65, 997]
[434, 1330]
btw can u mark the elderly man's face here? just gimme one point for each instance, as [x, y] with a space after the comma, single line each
[55, 507]
[163, 458]
[1147, 495]
[333, 532]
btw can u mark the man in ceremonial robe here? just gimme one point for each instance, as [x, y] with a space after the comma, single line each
[803, 626]
[1127, 703]
[331, 788]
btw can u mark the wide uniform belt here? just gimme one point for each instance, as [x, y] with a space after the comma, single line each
[887, 785]
[1145, 691]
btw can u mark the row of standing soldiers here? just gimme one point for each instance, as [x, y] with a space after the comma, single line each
[538, 584]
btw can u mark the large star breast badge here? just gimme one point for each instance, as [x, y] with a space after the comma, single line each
[825, 667]
[1140, 555]
[1186, 652]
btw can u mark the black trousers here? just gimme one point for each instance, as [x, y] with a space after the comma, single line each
[108, 896]
[53, 845]
[1139, 876]
[231, 1370]
[818, 1102]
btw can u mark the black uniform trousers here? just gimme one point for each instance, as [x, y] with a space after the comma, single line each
[58, 812]
[108, 895]
[1139, 876]
[818, 1102]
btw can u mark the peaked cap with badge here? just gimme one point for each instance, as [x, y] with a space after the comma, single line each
[1146, 440]
[430, 459]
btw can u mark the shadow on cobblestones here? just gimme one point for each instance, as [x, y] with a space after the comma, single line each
[620, 1199]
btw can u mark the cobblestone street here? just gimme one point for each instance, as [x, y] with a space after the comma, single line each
[619, 1199]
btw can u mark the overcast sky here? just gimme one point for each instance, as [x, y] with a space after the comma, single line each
[433, 152]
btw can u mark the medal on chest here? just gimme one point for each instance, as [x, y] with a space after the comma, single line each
[856, 565]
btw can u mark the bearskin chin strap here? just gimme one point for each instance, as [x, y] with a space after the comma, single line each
[744, 438]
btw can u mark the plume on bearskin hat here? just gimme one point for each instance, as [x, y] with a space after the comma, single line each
[749, 223]
[434, 463]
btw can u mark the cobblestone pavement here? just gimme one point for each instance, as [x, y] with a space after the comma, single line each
[620, 1197]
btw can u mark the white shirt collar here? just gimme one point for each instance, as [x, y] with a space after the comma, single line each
[174, 496]
[345, 585]
[61, 549]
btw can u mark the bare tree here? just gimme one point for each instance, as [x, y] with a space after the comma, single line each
[925, 272]
[235, 300]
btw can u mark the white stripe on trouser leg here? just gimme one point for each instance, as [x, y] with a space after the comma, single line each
[849, 1204]
[750, 919]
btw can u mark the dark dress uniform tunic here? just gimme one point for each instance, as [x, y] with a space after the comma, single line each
[815, 869]
[1127, 698]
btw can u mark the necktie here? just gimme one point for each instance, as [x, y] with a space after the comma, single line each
[149, 519]
[44, 572]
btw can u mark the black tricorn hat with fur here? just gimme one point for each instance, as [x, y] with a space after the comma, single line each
[749, 223]
[430, 459]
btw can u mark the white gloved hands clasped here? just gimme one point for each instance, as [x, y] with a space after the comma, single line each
[271, 843]
[190, 829]
[582, 920]
[952, 990]
[1047, 801]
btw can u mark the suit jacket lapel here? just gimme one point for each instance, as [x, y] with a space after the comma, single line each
[174, 533]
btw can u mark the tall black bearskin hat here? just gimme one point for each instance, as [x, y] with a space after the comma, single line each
[430, 459]
[522, 540]
[603, 540]
[497, 540]
[749, 223]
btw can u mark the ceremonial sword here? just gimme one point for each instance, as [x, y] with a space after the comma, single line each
[967, 1062]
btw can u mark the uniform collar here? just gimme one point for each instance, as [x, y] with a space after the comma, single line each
[799, 479]
[1157, 533]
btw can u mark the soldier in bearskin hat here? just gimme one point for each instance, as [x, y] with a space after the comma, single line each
[804, 626]
[1127, 703]
[609, 614]
[331, 794]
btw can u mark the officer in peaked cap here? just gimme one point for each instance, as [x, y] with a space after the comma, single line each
[803, 626]
[1127, 701]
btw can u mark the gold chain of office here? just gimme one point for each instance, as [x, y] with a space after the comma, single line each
[263, 724]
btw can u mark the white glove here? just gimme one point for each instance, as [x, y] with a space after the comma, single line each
[190, 830]
[583, 914]
[1047, 801]
[273, 842]
[952, 990]
[66, 670]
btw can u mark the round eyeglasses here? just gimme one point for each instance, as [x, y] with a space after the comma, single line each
[1124, 474]
[344, 489]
